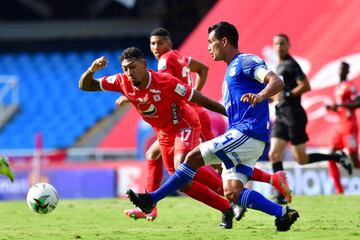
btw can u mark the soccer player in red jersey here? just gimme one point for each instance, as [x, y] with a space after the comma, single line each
[172, 62]
[161, 100]
[347, 100]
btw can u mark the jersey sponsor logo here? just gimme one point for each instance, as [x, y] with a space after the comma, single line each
[111, 79]
[162, 64]
[156, 98]
[144, 99]
[155, 91]
[147, 110]
[180, 89]
[175, 115]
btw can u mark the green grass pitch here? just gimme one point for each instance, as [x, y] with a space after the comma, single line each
[321, 217]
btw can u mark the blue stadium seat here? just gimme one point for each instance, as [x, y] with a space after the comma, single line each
[50, 101]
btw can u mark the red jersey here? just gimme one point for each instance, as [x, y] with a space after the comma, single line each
[174, 63]
[346, 93]
[162, 103]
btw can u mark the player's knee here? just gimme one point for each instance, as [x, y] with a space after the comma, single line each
[151, 155]
[231, 195]
[275, 156]
[194, 159]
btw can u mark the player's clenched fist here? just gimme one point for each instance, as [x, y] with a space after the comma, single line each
[98, 64]
[252, 98]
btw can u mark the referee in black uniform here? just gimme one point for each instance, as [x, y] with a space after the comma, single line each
[291, 120]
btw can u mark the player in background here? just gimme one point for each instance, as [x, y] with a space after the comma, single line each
[246, 88]
[290, 122]
[161, 99]
[5, 168]
[172, 62]
[347, 100]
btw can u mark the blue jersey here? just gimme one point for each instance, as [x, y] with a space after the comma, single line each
[240, 79]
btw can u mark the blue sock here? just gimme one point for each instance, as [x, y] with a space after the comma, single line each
[251, 199]
[182, 176]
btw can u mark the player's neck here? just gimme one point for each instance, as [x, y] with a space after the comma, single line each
[283, 58]
[232, 54]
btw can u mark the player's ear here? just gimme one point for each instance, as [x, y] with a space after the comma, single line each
[224, 41]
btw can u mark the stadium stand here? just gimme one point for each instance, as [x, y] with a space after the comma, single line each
[49, 99]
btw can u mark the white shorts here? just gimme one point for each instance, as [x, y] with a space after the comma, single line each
[237, 152]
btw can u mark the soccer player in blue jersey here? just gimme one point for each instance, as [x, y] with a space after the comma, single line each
[246, 88]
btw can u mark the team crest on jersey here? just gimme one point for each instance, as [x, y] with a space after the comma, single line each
[162, 64]
[180, 89]
[232, 71]
[156, 97]
[111, 79]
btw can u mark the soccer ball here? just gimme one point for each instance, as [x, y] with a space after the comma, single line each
[42, 198]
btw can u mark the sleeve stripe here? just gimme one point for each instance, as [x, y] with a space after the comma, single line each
[191, 94]
[100, 83]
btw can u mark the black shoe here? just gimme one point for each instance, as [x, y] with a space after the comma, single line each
[284, 223]
[345, 162]
[141, 200]
[239, 211]
[279, 199]
[227, 219]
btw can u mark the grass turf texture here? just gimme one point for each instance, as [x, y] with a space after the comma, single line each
[321, 217]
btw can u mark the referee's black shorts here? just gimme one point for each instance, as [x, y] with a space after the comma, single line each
[290, 124]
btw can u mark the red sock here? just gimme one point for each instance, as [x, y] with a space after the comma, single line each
[210, 178]
[155, 174]
[335, 175]
[203, 194]
[261, 176]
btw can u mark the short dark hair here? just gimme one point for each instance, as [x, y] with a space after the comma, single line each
[161, 32]
[225, 29]
[131, 52]
[345, 64]
[283, 35]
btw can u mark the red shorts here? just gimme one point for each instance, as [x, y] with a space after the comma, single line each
[346, 137]
[183, 141]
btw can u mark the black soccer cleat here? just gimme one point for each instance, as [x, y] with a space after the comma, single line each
[280, 199]
[345, 162]
[227, 219]
[141, 200]
[284, 223]
[239, 212]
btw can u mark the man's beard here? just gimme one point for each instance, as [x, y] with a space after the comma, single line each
[136, 83]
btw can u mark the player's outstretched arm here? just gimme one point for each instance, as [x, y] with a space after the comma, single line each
[274, 86]
[87, 81]
[201, 71]
[208, 103]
